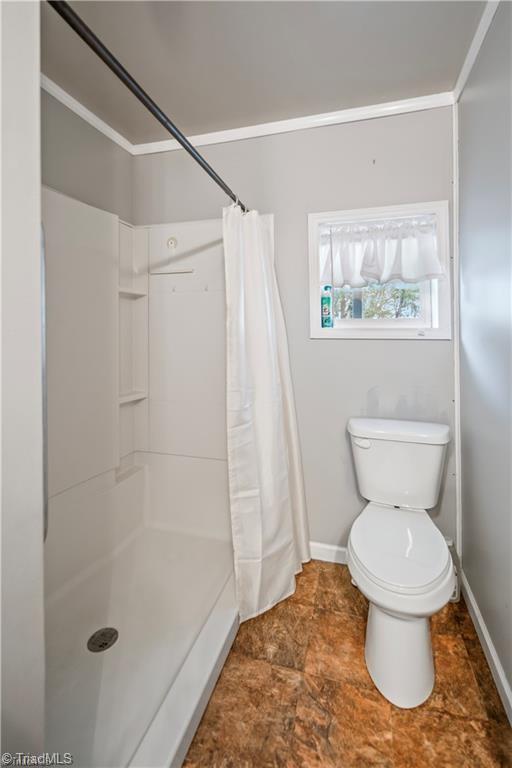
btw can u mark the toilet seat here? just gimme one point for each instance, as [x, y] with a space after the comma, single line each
[399, 550]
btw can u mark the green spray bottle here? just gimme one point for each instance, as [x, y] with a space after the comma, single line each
[326, 305]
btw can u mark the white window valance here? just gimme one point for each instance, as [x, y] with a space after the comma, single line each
[358, 253]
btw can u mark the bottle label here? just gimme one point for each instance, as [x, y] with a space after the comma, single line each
[326, 312]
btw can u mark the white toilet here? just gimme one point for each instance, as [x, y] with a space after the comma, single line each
[396, 555]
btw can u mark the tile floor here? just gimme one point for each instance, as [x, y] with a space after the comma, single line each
[295, 693]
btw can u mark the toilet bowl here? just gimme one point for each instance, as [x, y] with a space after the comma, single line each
[397, 556]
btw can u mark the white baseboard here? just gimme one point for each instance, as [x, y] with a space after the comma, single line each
[498, 673]
[328, 552]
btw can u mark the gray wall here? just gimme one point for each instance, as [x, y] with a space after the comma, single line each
[392, 160]
[82, 163]
[22, 607]
[486, 386]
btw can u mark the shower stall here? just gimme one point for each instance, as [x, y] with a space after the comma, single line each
[139, 590]
[140, 604]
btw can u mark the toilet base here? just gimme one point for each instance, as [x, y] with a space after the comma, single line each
[399, 657]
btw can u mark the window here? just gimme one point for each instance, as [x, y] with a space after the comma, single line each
[380, 273]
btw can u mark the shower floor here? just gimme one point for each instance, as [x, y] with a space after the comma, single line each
[157, 591]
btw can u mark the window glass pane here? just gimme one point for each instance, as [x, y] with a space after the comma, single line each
[378, 302]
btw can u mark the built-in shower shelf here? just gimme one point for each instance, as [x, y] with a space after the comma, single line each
[132, 397]
[130, 293]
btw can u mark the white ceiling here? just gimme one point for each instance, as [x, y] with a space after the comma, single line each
[217, 65]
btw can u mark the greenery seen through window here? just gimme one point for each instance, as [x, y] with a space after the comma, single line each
[377, 302]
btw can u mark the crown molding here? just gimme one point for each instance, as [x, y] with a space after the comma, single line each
[75, 106]
[474, 49]
[355, 114]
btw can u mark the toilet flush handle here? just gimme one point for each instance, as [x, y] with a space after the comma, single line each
[362, 442]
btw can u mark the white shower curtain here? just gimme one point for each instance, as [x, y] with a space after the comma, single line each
[268, 514]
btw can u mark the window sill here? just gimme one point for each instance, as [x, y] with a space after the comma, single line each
[415, 334]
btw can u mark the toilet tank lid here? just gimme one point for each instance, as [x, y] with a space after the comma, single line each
[400, 431]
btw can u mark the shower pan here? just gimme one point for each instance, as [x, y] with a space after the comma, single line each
[140, 604]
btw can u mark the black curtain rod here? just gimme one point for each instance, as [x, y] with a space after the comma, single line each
[75, 22]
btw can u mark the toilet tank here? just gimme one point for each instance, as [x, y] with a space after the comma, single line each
[399, 462]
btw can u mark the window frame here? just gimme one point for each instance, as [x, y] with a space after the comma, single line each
[400, 328]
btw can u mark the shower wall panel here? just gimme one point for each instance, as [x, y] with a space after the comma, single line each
[187, 380]
[81, 279]
[188, 495]
[187, 340]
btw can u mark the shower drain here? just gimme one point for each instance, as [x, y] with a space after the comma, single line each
[102, 639]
